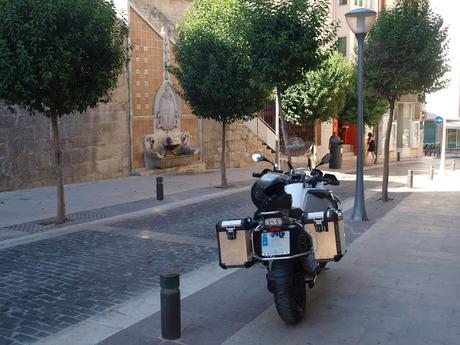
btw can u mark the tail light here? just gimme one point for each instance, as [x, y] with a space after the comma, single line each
[273, 224]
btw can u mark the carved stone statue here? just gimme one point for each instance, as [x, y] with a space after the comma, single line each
[168, 151]
[168, 108]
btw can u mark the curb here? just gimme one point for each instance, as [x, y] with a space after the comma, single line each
[145, 212]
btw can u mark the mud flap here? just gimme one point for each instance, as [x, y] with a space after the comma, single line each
[279, 278]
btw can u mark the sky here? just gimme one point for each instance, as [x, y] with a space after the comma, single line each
[446, 102]
[121, 5]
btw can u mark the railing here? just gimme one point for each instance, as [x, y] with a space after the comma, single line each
[305, 133]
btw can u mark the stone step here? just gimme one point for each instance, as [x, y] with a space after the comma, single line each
[348, 154]
[185, 169]
[347, 148]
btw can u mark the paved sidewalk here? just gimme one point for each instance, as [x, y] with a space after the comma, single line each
[40, 203]
[399, 284]
[123, 195]
[100, 273]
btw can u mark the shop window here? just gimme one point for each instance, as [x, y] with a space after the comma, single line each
[341, 2]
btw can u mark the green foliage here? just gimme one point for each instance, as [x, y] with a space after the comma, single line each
[321, 93]
[60, 56]
[406, 51]
[216, 75]
[288, 37]
[374, 106]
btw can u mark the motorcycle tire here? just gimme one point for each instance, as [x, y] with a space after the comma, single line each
[290, 303]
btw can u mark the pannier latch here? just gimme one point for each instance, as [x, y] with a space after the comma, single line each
[318, 219]
[319, 225]
[231, 233]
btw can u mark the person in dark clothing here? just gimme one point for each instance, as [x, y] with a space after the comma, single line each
[334, 138]
[371, 147]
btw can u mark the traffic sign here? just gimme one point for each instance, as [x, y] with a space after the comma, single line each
[438, 120]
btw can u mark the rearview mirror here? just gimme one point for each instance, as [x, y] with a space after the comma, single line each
[325, 159]
[257, 157]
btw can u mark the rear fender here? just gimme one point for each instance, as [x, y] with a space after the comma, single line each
[279, 278]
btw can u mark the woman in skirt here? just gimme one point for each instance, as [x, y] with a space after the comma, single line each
[371, 147]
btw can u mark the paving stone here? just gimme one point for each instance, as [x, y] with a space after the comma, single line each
[85, 273]
[23, 338]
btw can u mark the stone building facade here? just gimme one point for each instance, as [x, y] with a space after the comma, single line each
[152, 35]
[95, 145]
[107, 142]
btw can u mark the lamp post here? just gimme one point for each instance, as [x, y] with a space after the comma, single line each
[360, 21]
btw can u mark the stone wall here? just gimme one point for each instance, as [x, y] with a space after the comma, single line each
[162, 13]
[95, 145]
[241, 144]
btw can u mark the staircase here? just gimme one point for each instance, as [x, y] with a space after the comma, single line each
[263, 131]
[347, 151]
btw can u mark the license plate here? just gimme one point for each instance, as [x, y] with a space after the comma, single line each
[275, 243]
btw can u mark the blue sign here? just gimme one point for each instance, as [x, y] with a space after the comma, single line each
[438, 120]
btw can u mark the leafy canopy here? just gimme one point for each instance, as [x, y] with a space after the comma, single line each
[216, 75]
[374, 106]
[406, 51]
[321, 93]
[60, 56]
[288, 37]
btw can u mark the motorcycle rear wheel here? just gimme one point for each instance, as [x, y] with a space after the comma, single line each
[291, 304]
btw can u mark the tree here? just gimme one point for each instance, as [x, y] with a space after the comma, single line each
[322, 92]
[406, 53]
[288, 38]
[216, 75]
[59, 57]
[374, 106]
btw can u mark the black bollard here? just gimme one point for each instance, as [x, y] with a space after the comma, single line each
[431, 173]
[160, 190]
[398, 156]
[170, 306]
[410, 178]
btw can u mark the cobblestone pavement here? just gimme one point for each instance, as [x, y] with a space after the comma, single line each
[49, 285]
[109, 211]
[195, 220]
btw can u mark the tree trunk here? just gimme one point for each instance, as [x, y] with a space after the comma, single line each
[60, 217]
[223, 175]
[386, 153]
[283, 124]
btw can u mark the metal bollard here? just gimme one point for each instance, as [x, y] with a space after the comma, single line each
[453, 165]
[431, 173]
[170, 306]
[410, 178]
[160, 190]
[398, 156]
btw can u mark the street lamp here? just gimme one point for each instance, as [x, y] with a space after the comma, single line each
[360, 21]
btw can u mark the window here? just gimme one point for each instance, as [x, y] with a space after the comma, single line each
[364, 3]
[341, 2]
[342, 45]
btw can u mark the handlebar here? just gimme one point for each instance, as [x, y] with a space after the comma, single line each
[317, 176]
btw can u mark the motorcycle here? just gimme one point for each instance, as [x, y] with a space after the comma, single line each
[296, 230]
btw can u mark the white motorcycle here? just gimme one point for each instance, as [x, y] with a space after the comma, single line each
[296, 230]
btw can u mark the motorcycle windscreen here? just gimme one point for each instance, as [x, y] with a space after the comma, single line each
[318, 201]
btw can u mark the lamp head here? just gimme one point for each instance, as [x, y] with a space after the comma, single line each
[360, 20]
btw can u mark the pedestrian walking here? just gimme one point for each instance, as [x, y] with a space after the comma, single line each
[371, 147]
